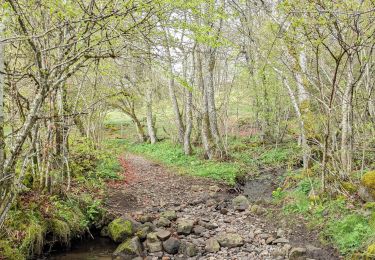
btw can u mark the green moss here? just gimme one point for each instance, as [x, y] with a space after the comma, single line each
[370, 253]
[368, 180]
[350, 187]
[8, 252]
[130, 247]
[70, 212]
[369, 205]
[169, 214]
[33, 242]
[120, 229]
[60, 230]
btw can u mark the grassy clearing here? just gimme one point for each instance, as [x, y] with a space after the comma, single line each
[172, 155]
[38, 218]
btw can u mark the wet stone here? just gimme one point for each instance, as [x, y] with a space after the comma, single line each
[171, 246]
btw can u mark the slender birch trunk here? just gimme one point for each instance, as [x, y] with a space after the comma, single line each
[150, 121]
[294, 100]
[189, 122]
[2, 121]
[172, 93]
[346, 123]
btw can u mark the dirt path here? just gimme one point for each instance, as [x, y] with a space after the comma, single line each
[151, 189]
[150, 186]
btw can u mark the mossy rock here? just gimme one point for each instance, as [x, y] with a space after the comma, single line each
[169, 214]
[370, 253]
[143, 231]
[129, 248]
[368, 181]
[9, 253]
[350, 187]
[120, 229]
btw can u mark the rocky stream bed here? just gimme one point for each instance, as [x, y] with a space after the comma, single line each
[164, 215]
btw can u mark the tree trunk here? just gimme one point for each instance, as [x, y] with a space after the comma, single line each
[212, 115]
[304, 144]
[303, 95]
[205, 126]
[150, 121]
[172, 93]
[189, 122]
[2, 121]
[346, 124]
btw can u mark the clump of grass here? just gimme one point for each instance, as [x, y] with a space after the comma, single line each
[9, 252]
[251, 153]
[27, 228]
[60, 230]
[108, 168]
[70, 212]
[348, 233]
[34, 240]
[298, 203]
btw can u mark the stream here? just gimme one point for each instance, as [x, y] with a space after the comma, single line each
[99, 248]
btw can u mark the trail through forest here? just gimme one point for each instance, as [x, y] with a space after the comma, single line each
[206, 212]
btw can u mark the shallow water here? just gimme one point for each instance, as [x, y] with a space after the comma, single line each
[261, 187]
[99, 248]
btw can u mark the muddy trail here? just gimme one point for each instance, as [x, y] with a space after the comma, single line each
[210, 221]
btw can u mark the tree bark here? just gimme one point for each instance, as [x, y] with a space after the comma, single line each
[210, 92]
[304, 144]
[346, 123]
[189, 122]
[172, 93]
[2, 121]
[205, 124]
[150, 121]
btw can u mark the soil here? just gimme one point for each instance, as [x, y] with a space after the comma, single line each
[152, 188]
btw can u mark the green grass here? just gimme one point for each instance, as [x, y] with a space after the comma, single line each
[251, 152]
[117, 118]
[172, 155]
[349, 233]
[348, 229]
[247, 154]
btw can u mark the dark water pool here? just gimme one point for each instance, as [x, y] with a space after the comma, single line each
[99, 248]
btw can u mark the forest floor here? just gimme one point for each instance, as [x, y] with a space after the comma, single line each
[149, 189]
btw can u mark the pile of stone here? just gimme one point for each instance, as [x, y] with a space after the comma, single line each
[164, 236]
[206, 229]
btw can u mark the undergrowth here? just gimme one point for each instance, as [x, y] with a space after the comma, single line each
[342, 221]
[38, 218]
